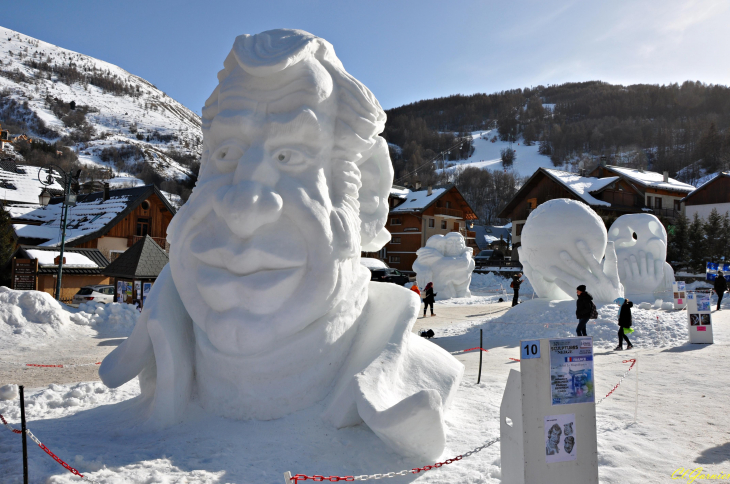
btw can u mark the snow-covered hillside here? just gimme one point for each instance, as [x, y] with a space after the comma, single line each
[109, 117]
[487, 154]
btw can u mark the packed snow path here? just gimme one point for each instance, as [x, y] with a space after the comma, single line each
[679, 423]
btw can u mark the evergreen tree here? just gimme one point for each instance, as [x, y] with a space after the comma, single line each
[713, 237]
[7, 245]
[725, 238]
[697, 243]
[678, 249]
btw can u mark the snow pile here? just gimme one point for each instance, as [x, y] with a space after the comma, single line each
[31, 313]
[488, 289]
[540, 318]
[372, 263]
[107, 316]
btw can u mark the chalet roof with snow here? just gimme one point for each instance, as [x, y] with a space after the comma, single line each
[649, 179]
[92, 217]
[715, 186]
[488, 234]
[144, 260]
[78, 261]
[20, 184]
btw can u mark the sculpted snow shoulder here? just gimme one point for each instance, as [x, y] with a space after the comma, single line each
[264, 308]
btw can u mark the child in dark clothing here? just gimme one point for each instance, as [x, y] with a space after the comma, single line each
[624, 322]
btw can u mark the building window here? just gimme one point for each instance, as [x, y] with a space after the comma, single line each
[657, 202]
[448, 204]
[394, 259]
[395, 221]
[648, 201]
[395, 240]
[678, 205]
[143, 226]
[431, 223]
[443, 224]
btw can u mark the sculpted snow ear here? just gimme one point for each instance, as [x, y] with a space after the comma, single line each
[377, 178]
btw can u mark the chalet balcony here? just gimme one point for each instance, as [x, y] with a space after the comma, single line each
[466, 233]
[620, 198]
[133, 239]
[665, 212]
[449, 213]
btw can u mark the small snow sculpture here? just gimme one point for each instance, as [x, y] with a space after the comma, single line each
[641, 247]
[265, 308]
[447, 262]
[563, 244]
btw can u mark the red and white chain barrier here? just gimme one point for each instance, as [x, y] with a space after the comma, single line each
[467, 350]
[289, 479]
[45, 449]
[35, 365]
[633, 362]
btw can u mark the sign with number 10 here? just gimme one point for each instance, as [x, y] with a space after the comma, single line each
[530, 349]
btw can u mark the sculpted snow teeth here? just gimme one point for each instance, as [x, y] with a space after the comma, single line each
[265, 308]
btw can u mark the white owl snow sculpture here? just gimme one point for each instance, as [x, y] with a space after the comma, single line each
[563, 244]
[264, 308]
[641, 247]
[447, 262]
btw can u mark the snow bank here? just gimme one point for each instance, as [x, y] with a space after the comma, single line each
[540, 318]
[488, 288]
[36, 315]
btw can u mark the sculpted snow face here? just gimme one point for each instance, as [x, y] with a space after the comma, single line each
[563, 246]
[447, 262]
[641, 248]
[265, 308]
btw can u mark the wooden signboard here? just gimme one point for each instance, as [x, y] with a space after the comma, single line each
[24, 275]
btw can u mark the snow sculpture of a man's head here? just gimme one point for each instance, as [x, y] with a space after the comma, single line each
[447, 262]
[641, 248]
[294, 179]
[563, 244]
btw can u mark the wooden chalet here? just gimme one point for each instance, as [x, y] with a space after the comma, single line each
[110, 220]
[661, 194]
[415, 216]
[610, 197]
[712, 194]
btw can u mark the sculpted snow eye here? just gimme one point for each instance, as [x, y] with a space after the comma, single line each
[227, 156]
[290, 158]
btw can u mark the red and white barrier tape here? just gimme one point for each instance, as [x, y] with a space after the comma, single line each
[45, 449]
[34, 365]
[467, 350]
[633, 362]
[302, 477]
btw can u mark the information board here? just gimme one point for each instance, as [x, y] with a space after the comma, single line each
[24, 274]
[571, 371]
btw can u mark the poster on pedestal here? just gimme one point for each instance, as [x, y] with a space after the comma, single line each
[571, 371]
[560, 444]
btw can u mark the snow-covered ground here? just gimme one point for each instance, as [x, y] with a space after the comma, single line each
[488, 155]
[681, 408]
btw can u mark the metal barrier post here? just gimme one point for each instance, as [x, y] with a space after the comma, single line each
[23, 435]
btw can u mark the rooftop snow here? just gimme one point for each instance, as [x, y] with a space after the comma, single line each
[23, 187]
[419, 200]
[47, 258]
[399, 192]
[583, 185]
[652, 179]
[84, 218]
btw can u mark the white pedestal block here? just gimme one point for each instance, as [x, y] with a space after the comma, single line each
[699, 319]
[545, 437]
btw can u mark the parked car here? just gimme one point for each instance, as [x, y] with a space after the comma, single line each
[101, 293]
[486, 257]
[389, 275]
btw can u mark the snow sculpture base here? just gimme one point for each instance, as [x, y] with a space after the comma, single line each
[526, 407]
[447, 262]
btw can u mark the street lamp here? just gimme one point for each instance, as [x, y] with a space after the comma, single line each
[69, 200]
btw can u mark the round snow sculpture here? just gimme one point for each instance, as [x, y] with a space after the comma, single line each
[641, 247]
[447, 262]
[265, 308]
[563, 244]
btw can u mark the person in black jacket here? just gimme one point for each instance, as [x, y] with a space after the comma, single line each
[583, 309]
[516, 283]
[429, 299]
[624, 321]
[720, 287]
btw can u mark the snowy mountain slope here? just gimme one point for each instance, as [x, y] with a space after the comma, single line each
[112, 109]
[487, 155]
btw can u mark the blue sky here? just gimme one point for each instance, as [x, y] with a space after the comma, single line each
[403, 51]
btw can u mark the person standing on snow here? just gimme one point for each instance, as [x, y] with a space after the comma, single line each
[415, 289]
[624, 322]
[720, 287]
[429, 299]
[515, 285]
[583, 310]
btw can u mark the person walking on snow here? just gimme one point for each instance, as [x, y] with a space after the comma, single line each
[429, 299]
[583, 310]
[720, 287]
[624, 322]
[515, 285]
[415, 289]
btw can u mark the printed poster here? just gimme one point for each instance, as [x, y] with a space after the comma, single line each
[694, 319]
[560, 444]
[120, 290]
[703, 303]
[571, 371]
[147, 287]
[680, 286]
[128, 290]
[138, 289]
[705, 318]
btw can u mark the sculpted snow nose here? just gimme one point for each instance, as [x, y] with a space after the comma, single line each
[247, 206]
